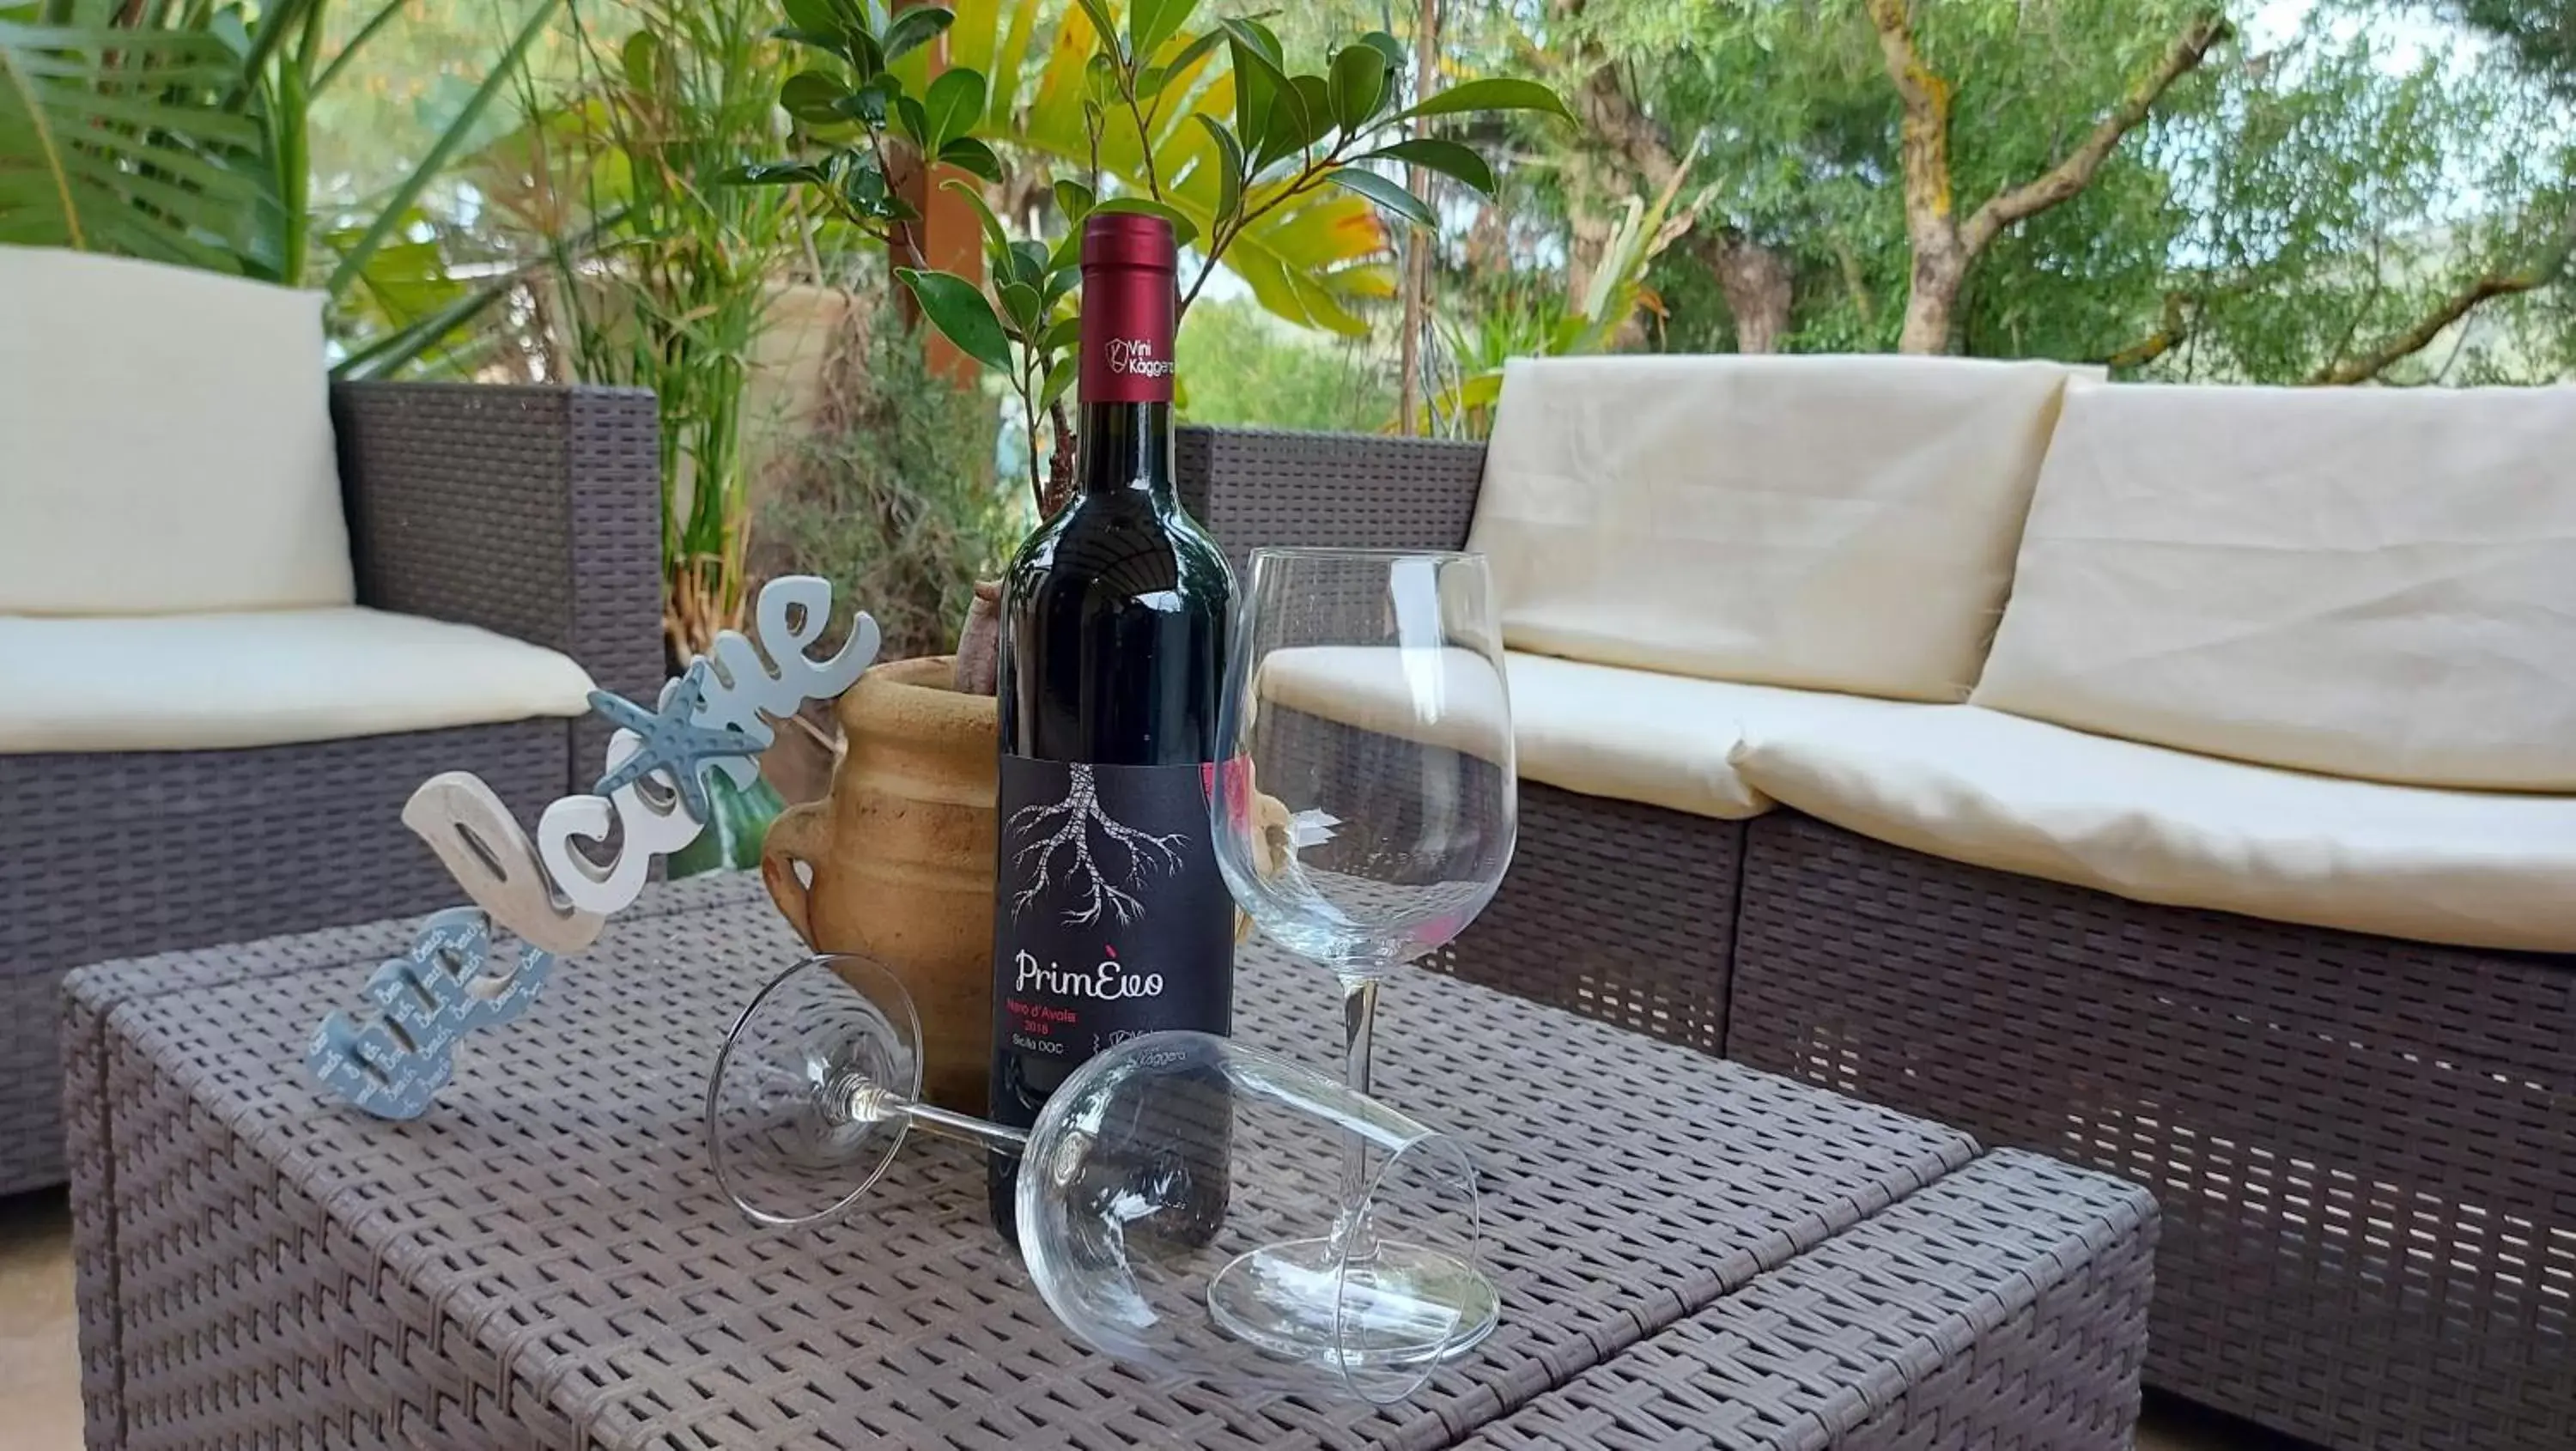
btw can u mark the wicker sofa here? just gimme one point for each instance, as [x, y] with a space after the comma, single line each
[2365, 1148]
[531, 512]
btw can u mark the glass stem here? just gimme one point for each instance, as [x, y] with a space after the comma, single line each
[931, 1119]
[864, 1102]
[1359, 1028]
[1359, 1033]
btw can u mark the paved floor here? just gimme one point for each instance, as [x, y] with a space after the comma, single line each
[40, 1362]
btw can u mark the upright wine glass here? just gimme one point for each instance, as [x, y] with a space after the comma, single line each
[1365, 816]
[1159, 1163]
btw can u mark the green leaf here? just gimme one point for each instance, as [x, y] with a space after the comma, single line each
[953, 104]
[641, 59]
[1229, 176]
[867, 104]
[1386, 45]
[1059, 378]
[445, 147]
[1448, 158]
[816, 16]
[968, 154]
[1184, 231]
[995, 238]
[1307, 259]
[400, 348]
[914, 28]
[1102, 22]
[866, 56]
[276, 23]
[1151, 22]
[1064, 332]
[866, 191]
[1499, 93]
[772, 173]
[1314, 111]
[1263, 39]
[1385, 193]
[811, 96]
[818, 39]
[911, 119]
[960, 313]
[1067, 253]
[108, 143]
[1191, 53]
[1360, 85]
[1029, 262]
[1026, 310]
[1257, 82]
[1100, 79]
[1073, 200]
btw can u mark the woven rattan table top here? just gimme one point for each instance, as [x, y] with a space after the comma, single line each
[555, 1214]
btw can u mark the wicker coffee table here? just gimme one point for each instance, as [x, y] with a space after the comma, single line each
[1690, 1253]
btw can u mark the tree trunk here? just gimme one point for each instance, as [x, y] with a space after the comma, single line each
[1932, 303]
[1945, 246]
[1759, 286]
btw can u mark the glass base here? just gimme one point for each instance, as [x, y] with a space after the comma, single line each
[799, 1109]
[1390, 1307]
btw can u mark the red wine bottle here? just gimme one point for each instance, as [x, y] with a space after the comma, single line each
[1110, 918]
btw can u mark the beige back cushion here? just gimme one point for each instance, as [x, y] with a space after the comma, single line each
[2372, 582]
[1843, 523]
[165, 442]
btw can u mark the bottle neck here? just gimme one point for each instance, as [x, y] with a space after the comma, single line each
[1127, 447]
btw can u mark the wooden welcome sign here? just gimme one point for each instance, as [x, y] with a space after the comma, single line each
[552, 894]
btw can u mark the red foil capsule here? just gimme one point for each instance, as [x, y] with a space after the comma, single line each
[1130, 302]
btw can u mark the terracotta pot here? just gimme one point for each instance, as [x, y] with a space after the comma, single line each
[900, 857]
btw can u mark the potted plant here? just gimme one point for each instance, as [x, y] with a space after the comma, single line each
[1218, 137]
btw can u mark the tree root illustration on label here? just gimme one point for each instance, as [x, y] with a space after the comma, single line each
[1064, 831]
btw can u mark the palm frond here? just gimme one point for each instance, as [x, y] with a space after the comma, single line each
[106, 144]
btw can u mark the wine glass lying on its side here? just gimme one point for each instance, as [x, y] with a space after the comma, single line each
[1159, 1163]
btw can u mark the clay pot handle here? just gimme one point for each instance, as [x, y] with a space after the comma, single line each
[798, 837]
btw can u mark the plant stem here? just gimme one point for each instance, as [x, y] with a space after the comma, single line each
[1144, 137]
[1029, 417]
[1223, 237]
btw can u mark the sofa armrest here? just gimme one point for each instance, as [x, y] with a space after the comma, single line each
[1258, 488]
[534, 512]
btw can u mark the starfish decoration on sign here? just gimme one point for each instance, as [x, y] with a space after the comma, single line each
[670, 740]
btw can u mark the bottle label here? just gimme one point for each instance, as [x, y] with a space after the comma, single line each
[1111, 920]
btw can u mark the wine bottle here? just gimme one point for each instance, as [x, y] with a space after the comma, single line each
[1110, 918]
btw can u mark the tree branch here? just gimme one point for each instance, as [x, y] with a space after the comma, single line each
[2172, 326]
[2070, 176]
[2402, 345]
[1603, 105]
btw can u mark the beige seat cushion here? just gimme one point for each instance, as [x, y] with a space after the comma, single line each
[2373, 582]
[1834, 523]
[165, 442]
[264, 678]
[1603, 730]
[2476, 868]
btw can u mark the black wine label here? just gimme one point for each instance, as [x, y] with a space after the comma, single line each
[1110, 920]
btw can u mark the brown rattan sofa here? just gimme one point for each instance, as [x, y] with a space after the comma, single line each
[533, 512]
[2365, 1148]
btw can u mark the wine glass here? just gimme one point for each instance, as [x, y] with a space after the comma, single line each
[1364, 815]
[1158, 1164]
